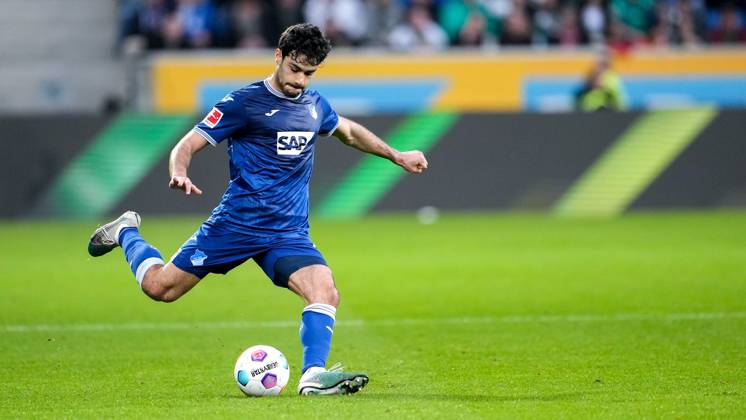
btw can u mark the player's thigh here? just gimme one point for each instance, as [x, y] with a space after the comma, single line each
[315, 284]
[170, 277]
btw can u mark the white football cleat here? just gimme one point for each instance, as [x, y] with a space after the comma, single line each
[106, 238]
[319, 381]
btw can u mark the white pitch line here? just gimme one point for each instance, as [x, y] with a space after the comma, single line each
[401, 322]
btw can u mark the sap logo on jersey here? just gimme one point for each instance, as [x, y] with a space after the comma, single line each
[292, 143]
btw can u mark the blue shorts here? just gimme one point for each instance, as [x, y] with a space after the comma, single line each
[216, 249]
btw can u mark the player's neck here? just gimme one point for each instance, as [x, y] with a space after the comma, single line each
[275, 84]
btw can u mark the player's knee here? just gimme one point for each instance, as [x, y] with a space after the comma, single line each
[328, 289]
[151, 289]
[315, 284]
[334, 297]
[157, 291]
[169, 296]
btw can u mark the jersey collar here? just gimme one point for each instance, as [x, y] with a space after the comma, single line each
[277, 93]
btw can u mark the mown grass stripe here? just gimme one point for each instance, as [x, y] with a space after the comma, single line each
[399, 322]
[633, 162]
[373, 177]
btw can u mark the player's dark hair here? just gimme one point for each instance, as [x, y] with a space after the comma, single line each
[304, 40]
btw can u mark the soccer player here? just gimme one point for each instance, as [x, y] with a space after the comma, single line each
[271, 128]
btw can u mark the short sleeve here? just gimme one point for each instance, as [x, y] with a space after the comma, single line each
[224, 119]
[330, 119]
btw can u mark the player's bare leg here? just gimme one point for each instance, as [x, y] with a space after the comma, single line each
[315, 285]
[166, 283]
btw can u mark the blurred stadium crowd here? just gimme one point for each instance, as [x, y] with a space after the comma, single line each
[433, 24]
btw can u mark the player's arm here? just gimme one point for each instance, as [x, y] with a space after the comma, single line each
[359, 137]
[181, 157]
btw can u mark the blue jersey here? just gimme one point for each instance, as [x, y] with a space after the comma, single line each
[271, 140]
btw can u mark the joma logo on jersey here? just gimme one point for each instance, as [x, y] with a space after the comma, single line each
[292, 143]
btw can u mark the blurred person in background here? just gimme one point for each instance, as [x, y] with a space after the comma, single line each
[472, 33]
[433, 6]
[678, 24]
[250, 24]
[517, 29]
[143, 22]
[602, 89]
[282, 14]
[173, 32]
[593, 20]
[570, 32]
[190, 25]
[729, 26]
[500, 9]
[467, 22]
[344, 22]
[198, 19]
[419, 31]
[633, 20]
[546, 21]
[383, 16]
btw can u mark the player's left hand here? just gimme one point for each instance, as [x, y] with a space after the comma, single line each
[413, 161]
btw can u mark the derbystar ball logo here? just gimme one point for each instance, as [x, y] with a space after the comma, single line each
[213, 118]
[292, 143]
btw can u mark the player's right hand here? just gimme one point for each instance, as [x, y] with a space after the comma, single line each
[185, 184]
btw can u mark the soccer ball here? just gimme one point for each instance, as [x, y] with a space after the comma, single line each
[261, 371]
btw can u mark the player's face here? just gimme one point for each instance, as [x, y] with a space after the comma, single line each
[292, 74]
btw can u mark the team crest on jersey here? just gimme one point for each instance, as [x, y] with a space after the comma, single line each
[213, 118]
[198, 258]
[312, 110]
[292, 143]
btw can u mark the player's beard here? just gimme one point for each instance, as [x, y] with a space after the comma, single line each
[285, 87]
[297, 91]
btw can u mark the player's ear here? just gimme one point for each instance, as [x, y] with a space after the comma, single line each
[278, 56]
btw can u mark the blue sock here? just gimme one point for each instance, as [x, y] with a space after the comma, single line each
[140, 254]
[316, 328]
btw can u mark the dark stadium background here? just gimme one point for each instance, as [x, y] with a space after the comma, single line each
[576, 248]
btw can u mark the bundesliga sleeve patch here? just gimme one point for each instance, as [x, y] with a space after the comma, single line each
[213, 118]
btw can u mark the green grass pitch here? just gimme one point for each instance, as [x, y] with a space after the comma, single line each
[478, 315]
